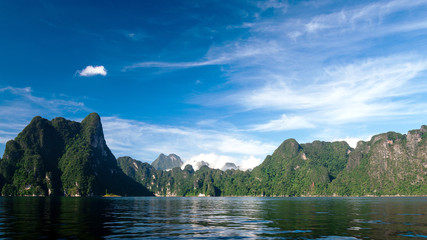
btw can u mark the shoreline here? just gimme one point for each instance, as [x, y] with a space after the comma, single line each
[303, 196]
[237, 196]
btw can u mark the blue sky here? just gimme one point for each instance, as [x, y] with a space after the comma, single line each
[215, 80]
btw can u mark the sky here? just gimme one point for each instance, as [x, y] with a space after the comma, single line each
[219, 81]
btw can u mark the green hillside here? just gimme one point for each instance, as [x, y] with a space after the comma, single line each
[62, 157]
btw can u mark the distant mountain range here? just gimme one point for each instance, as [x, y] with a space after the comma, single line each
[171, 161]
[62, 157]
[388, 164]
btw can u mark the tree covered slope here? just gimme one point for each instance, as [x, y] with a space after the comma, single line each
[388, 164]
[62, 157]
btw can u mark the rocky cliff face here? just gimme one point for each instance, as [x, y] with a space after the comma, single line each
[388, 164]
[164, 162]
[62, 157]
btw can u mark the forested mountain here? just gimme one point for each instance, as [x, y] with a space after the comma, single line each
[388, 164]
[62, 157]
[187, 182]
[292, 170]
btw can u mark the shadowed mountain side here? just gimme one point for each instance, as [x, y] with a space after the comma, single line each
[62, 157]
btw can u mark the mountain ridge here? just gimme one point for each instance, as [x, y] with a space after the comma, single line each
[63, 157]
[67, 158]
[313, 169]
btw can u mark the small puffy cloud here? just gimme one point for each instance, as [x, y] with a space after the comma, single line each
[92, 71]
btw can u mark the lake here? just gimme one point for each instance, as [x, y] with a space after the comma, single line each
[202, 218]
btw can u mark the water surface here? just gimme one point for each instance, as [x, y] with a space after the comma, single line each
[225, 218]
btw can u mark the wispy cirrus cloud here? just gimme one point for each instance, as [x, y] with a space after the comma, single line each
[218, 55]
[373, 88]
[19, 105]
[275, 4]
[316, 75]
[356, 63]
[272, 43]
[359, 18]
[29, 102]
[283, 123]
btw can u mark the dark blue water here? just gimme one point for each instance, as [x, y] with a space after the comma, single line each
[201, 218]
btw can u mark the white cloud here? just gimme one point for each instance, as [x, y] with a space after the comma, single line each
[250, 163]
[276, 4]
[218, 55]
[361, 17]
[352, 141]
[92, 71]
[283, 123]
[25, 105]
[145, 141]
[9, 131]
[218, 161]
[322, 69]
[213, 160]
[370, 88]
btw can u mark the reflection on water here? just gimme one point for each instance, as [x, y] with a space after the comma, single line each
[227, 218]
[37, 217]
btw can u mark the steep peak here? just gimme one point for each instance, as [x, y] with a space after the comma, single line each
[386, 137]
[92, 119]
[125, 158]
[92, 124]
[66, 128]
[189, 168]
[360, 144]
[289, 147]
[92, 132]
[175, 158]
[33, 130]
[37, 122]
[59, 119]
[164, 162]
[290, 141]
[36, 119]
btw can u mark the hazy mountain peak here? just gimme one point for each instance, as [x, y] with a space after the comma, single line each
[164, 162]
